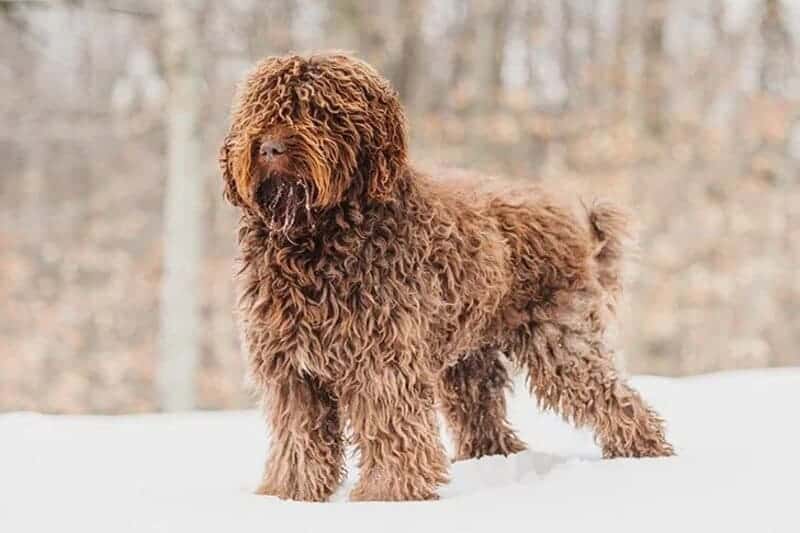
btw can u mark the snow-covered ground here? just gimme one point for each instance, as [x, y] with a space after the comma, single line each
[738, 469]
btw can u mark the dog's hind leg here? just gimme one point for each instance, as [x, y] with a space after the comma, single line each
[306, 456]
[394, 426]
[472, 396]
[571, 371]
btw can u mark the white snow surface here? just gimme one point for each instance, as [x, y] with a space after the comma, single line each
[738, 469]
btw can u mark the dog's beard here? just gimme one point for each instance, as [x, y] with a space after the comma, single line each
[285, 203]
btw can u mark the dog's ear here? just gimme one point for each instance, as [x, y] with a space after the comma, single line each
[229, 191]
[389, 158]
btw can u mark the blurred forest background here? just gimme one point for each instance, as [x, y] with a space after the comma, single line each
[111, 113]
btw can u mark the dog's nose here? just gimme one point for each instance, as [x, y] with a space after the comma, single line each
[271, 148]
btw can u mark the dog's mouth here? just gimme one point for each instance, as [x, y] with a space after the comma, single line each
[285, 202]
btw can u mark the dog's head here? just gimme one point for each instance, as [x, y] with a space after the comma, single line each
[309, 131]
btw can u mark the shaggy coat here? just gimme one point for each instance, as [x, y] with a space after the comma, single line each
[371, 294]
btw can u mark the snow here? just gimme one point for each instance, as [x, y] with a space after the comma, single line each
[737, 436]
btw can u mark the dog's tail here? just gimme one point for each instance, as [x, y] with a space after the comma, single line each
[611, 229]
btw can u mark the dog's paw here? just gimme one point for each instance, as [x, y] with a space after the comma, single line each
[504, 444]
[654, 448]
[379, 488]
[292, 491]
[385, 494]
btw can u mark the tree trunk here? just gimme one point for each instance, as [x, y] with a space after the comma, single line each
[566, 63]
[777, 44]
[408, 62]
[463, 49]
[493, 35]
[621, 54]
[654, 74]
[179, 312]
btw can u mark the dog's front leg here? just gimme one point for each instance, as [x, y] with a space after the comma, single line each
[306, 454]
[394, 426]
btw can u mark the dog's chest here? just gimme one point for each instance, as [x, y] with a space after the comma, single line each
[331, 320]
[311, 318]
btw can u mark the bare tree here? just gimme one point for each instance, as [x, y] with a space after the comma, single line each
[622, 42]
[463, 45]
[566, 60]
[180, 315]
[407, 65]
[492, 37]
[654, 90]
[777, 48]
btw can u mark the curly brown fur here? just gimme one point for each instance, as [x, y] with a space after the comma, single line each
[369, 293]
[472, 396]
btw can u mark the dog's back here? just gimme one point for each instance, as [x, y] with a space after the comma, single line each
[553, 216]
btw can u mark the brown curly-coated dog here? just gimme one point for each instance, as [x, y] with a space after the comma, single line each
[372, 294]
